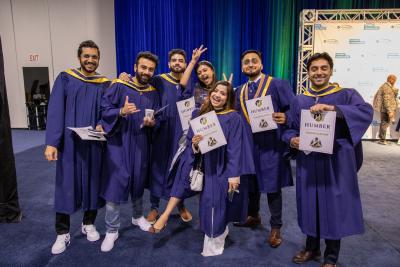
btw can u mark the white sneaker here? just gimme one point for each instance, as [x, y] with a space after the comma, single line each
[61, 244]
[90, 232]
[142, 223]
[108, 242]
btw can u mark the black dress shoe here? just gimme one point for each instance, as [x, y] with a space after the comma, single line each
[305, 255]
[250, 222]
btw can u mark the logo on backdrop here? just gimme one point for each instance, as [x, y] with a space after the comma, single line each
[331, 41]
[345, 27]
[393, 55]
[342, 55]
[365, 83]
[379, 69]
[383, 41]
[319, 27]
[356, 41]
[371, 27]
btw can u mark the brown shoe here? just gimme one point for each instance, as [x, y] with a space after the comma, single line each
[304, 256]
[185, 214]
[382, 142]
[275, 238]
[152, 216]
[250, 222]
[328, 265]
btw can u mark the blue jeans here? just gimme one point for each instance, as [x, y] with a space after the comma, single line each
[113, 211]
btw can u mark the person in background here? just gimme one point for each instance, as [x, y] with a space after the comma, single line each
[385, 102]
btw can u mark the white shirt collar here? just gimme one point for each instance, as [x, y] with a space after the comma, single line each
[257, 79]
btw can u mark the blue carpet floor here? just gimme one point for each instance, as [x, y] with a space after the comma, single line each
[28, 243]
[25, 139]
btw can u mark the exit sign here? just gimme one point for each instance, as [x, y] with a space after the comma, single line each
[33, 58]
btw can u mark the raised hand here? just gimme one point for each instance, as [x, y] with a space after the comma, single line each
[128, 108]
[230, 78]
[197, 53]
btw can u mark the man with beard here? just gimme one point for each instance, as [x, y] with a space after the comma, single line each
[127, 157]
[166, 137]
[75, 102]
[327, 193]
[272, 171]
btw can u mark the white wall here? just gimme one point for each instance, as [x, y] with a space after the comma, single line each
[53, 30]
[15, 93]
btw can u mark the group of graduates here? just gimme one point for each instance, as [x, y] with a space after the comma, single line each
[152, 151]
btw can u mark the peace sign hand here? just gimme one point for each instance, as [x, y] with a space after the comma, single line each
[230, 78]
[197, 53]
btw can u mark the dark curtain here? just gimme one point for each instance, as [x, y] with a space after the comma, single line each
[9, 206]
[226, 27]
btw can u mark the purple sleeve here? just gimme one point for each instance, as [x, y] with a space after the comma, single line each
[292, 128]
[111, 104]
[187, 91]
[237, 101]
[357, 114]
[239, 153]
[285, 97]
[156, 105]
[104, 89]
[293, 115]
[56, 113]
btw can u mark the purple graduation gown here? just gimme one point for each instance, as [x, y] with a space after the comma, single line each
[332, 179]
[178, 176]
[127, 156]
[232, 160]
[272, 170]
[75, 102]
[166, 136]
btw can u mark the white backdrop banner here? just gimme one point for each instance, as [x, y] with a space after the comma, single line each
[364, 54]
